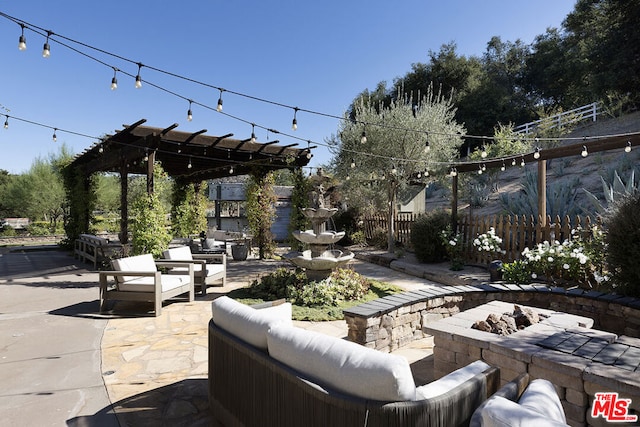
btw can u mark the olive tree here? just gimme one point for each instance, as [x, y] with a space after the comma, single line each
[381, 149]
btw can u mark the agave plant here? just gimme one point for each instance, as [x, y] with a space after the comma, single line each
[613, 191]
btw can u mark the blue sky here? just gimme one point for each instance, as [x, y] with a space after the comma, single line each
[313, 55]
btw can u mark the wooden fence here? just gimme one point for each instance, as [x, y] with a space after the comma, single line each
[516, 232]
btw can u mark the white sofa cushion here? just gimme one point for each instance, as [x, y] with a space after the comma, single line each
[450, 381]
[342, 365]
[246, 323]
[501, 412]
[541, 396]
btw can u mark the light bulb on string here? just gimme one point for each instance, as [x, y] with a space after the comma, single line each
[46, 50]
[584, 152]
[6, 123]
[22, 41]
[294, 123]
[353, 163]
[536, 154]
[138, 78]
[427, 148]
[513, 162]
[484, 167]
[627, 149]
[189, 113]
[522, 162]
[114, 80]
[363, 138]
[483, 154]
[503, 167]
[479, 170]
[419, 175]
[393, 169]
[230, 170]
[253, 132]
[189, 166]
[453, 172]
[219, 107]
[55, 137]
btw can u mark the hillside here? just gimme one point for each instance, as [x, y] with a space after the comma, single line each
[573, 173]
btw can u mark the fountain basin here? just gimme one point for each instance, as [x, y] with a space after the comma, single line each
[324, 238]
[327, 260]
[319, 213]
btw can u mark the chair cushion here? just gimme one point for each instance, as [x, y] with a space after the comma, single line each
[450, 381]
[246, 323]
[145, 284]
[541, 396]
[501, 412]
[134, 263]
[212, 244]
[181, 253]
[342, 365]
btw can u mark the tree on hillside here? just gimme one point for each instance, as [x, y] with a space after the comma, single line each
[403, 141]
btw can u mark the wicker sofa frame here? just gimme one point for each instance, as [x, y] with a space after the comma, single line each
[249, 388]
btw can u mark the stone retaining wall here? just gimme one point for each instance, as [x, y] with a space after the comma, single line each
[392, 322]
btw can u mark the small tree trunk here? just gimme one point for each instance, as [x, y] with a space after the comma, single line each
[391, 217]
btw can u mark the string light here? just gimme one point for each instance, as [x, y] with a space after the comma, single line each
[294, 123]
[503, 167]
[536, 154]
[230, 170]
[189, 166]
[138, 78]
[627, 149]
[522, 162]
[480, 170]
[484, 167]
[513, 162]
[6, 123]
[363, 138]
[393, 169]
[189, 113]
[426, 144]
[253, 133]
[22, 41]
[584, 152]
[114, 80]
[46, 50]
[454, 171]
[353, 163]
[483, 154]
[55, 137]
[219, 107]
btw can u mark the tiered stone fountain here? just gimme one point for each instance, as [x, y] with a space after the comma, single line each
[318, 261]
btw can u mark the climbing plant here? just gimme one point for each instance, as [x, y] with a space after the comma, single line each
[261, 210]
[188, 214]
[81, 200]
[299, 200]
[150, 233]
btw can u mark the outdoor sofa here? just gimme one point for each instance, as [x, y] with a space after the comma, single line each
[137, 278]
[208, 268]
[263, 371]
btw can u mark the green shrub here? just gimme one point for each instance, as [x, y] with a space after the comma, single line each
[358, 238]
[40, 228]
[623, 240]
[426, 236]
[379, 238]
[8, 232]
[342, 285]
[516, 272]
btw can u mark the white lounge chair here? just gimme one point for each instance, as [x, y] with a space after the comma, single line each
[207, 268]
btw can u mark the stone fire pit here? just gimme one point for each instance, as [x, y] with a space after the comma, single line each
[510, 322]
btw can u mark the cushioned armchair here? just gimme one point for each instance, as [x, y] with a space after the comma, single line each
[137, 278]
[208, 268]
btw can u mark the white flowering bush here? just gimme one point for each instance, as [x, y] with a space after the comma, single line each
[489, 242]
[453, 246]
[579, 261]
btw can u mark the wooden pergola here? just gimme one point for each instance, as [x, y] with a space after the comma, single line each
[592, 145]
[186, 157]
